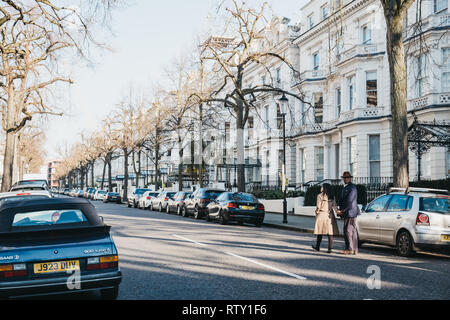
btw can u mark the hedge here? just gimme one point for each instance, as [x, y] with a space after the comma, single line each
[277, 194]
[432, 184]
[313, 192]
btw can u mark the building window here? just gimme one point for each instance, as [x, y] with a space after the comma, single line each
[445, 78]
[302, 158]
[278, 75]
[279, 117]
[316, 61]
[440, 5]
[338, 102]
[371, 89]
[366, 35]
[311, 21]
[227, 132]
[421, 74]
[351, 92]
[319, 161]
[250, 128]
[324, 11]
[351, 155]
[374, 156]
[318, 108]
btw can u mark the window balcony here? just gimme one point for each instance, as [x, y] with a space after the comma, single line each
[358, 50]
[432, 21]
[361, 113]
[312, 74]
[429, 99]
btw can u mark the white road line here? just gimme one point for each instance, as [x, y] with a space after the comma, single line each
[199, 243]
[267, 266]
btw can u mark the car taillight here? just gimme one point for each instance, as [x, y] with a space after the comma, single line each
[106, 262]
[422, 219]
[148, 198]
[13, 270]
[23, 194]
[166, 199]
[261, 207]
[232, 205]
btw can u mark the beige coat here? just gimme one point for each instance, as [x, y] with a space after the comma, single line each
[325, 219]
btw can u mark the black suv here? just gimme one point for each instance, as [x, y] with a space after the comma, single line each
[197, 203]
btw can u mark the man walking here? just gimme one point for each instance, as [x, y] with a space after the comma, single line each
[349, 210]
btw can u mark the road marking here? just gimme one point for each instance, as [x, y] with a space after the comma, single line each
[199, 243]
[247, 259]
[267, 266]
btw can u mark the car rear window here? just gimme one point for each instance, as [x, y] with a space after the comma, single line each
[170, 194]
[20, 198]
[102, 192]
[48, 218]
[435, 204]
[140, 191]
[213, 194]
[242, 197]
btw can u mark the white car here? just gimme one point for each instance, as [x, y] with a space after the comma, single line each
[23, 195]
[99, 195]
[408, 219]
[146, 198]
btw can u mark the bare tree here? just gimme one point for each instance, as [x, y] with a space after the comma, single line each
[243, 44]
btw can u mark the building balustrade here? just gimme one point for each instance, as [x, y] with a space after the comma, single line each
[429, 99]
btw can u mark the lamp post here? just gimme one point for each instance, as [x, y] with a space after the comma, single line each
[283, 104]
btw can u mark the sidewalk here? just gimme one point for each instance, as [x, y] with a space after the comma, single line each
[295, 222]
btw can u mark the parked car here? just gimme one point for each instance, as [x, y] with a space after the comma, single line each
[134, 198]
[99, 195]
[89, 193]
[177, 202]
[112, 197]
[237, 206]
[7, 197]
[407, 219]
[45, 241]
[160, 202]
[80, 193]
[146, 198]
[197, 203]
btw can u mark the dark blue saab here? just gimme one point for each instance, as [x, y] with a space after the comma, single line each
[50, 246]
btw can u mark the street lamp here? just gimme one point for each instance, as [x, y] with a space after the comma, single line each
[284, 105]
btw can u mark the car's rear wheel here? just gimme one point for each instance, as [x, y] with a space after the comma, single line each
[405, 244]
[222, 219]
[208, 218]
[179, 211]
[160, 207]
[196, 213]
[167, 209]
[150, 207]
[134, 204]
[129, 205]
[110, 293]
[185, 213]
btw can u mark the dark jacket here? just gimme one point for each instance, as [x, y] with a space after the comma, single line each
[348, 203]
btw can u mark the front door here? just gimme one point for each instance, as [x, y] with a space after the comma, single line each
[369, 220]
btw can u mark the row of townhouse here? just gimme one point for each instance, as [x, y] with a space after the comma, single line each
[343, 122]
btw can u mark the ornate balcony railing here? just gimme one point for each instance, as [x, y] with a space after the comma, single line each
[429, 99]
[361, 113]
[361, 49]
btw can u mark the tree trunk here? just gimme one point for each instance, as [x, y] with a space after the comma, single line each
[92, 174]
[240, 139]
[109, 173]
[180, 164]
[8, 162]
[397, 67]
[103, 174]
[125, 178]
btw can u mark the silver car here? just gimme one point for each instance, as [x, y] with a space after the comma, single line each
[407, 219]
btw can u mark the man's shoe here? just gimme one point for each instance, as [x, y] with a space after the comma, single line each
[330, 251]
[316, 248]
[347, 252]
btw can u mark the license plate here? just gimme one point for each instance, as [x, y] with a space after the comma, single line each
[445, 237]
[247, 207]
[56, 266]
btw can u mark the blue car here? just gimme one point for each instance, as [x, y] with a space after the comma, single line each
[60, 245]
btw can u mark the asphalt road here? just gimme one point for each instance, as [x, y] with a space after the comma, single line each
[170, 257]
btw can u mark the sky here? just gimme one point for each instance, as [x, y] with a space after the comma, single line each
[147, 35]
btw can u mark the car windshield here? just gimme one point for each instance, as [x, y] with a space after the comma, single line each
[242, 197]
[113, 194]
[153, 194]
[20, 198]
[435, 204]
[48, 217]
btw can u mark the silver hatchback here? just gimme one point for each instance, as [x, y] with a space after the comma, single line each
[408, 219]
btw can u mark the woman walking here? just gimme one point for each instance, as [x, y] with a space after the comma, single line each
[325, 219]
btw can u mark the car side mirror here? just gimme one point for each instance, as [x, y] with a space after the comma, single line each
[101, 217]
